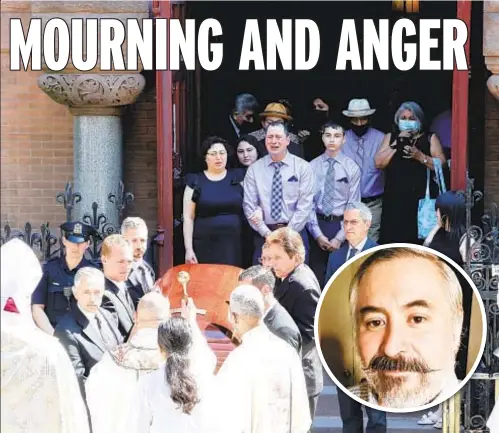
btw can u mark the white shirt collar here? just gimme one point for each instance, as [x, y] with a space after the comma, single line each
[359, 247]
[90, 316]
[119, 284]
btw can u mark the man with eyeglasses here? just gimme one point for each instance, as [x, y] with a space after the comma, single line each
[280, 188]
[356, 222]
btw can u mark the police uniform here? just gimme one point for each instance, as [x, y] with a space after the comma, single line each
[55, 288]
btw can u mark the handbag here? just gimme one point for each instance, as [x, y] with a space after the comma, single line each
[427, 217]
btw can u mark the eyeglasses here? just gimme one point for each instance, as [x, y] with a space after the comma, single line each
[221, 153]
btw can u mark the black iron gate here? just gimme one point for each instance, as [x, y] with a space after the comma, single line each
[471, 408]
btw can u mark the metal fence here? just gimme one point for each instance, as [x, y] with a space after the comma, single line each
[470, 409]
[46, 241]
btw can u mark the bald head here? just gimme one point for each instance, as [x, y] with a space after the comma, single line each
[153, 308]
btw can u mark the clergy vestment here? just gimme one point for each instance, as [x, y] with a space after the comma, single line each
[112, 385]
[39, 390]
[153, 411]
[263, 385]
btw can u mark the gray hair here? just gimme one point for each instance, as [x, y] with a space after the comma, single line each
[364, 210]
[92, 276]
[132, 223]
[154, 306]
[278, 124]
[245, 102]
[259, 275]
[388, 254]
[414, 108]
[248, 301]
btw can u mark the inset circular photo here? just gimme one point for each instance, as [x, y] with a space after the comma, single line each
[400, 328]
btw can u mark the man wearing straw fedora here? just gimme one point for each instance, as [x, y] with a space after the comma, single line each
[277, 112]
[362, 141]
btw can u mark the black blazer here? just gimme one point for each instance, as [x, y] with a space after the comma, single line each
[281, 324]
[83, 342]
[140, 284]
[299, 294]
[120, 306]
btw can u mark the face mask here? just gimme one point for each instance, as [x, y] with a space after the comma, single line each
[360, 130]
[408, 125]
[318, 118]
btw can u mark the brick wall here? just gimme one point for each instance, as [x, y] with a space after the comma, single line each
[491, 151]
[36, 141]
[139, 125]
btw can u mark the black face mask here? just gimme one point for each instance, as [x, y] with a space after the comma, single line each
[318, 118]
[360, 130]
[246, 127]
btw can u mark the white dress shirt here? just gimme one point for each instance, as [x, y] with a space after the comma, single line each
[359, 247]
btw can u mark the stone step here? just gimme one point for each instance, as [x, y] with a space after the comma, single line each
[328, 418]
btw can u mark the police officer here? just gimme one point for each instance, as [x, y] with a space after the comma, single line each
[53, 297]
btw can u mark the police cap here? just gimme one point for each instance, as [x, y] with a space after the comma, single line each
[77, 232]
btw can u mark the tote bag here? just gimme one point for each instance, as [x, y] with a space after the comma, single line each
[427, 217]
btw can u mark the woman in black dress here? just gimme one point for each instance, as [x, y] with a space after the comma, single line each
[405, 155]
[213, 215]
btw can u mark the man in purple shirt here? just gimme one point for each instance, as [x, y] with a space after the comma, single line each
[362, 143]
[278, 189]
[337, 183]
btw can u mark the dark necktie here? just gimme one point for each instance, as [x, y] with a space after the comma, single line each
[352, 253]
[329, 182]
[276, 199]
[106, 332]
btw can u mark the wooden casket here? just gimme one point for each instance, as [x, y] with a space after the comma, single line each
[210, 287]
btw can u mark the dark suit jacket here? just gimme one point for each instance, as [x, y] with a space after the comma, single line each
[299, 294]
[121, 307]
[339, 257]
[281, 324]
[140, 284]
[83, 342]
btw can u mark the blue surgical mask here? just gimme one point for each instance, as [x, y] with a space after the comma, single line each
[409, 125]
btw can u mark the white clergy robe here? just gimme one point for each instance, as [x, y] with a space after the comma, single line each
[39, 389]
[263, 385]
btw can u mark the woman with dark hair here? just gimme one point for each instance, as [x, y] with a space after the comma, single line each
[448, 236]
[248, 150]
[405, 155]
[178, 396]
[213, 208]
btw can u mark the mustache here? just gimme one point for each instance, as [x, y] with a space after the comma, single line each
[385, 363]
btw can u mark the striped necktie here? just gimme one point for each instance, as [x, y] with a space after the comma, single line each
[329, 183]
[277, 195]
[352, 253]
[359, 155]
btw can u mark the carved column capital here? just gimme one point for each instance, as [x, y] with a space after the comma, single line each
[92, 90]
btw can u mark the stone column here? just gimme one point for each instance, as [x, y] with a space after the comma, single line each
[491, 44]
[97, 102]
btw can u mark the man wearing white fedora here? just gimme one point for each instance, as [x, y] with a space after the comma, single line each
[362, 141]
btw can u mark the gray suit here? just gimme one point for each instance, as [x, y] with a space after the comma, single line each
[280, 323]
[299, 294]
[82, 341]
[120, 305]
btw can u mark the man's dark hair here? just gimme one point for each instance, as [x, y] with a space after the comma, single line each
[333, 125]
[245, 102]
[259, 275]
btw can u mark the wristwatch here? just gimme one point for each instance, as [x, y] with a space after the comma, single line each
[425, 160]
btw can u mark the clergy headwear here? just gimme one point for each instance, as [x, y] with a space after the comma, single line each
[20, 274]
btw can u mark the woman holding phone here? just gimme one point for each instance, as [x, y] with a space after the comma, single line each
[405, 154]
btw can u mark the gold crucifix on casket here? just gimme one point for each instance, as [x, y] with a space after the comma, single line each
[210, 287]
[183, 278]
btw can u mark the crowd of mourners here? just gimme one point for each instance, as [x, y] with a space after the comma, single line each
[288, 207]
